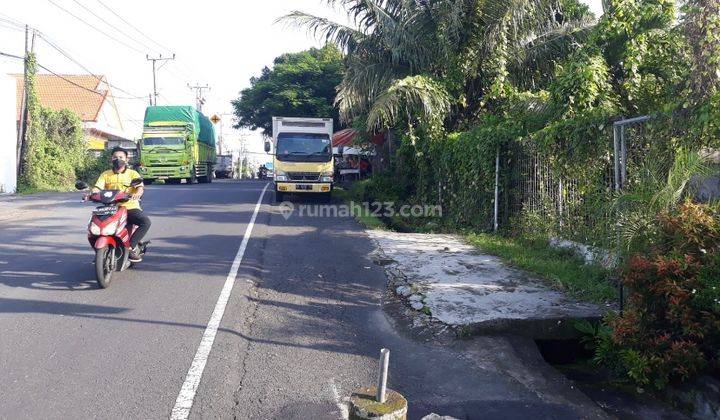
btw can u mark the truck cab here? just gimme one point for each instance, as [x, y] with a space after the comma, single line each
[302, 159]
[177, 143]
[166, 152]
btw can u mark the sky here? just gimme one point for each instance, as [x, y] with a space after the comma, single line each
[217, 43]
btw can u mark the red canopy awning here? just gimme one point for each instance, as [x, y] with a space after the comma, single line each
[344, 137]
[347, 136]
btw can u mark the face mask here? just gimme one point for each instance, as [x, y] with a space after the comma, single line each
[118, 164]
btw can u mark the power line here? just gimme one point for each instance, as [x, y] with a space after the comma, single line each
[11, 20]
[132, 26]
[11, 27]
[67, 55]
[79, 85]
[112, 26]
[94, 27]
[11, 55]
[54, 45]
[163, 98]
[187, 72]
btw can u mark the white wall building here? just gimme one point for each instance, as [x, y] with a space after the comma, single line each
[8, 135]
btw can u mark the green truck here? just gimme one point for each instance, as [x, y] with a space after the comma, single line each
[178, 142]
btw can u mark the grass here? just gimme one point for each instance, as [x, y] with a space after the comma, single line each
[561, 267]
[363, 216]
[33, 190]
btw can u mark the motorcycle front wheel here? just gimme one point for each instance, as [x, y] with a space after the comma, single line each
[104, 265]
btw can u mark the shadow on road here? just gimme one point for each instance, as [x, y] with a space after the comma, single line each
[56, 308]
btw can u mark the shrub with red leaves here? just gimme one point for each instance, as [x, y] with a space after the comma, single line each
[671, 328]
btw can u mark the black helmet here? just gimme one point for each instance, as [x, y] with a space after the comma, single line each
[119, 149]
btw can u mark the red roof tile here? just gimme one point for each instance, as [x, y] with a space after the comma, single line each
[78, 93]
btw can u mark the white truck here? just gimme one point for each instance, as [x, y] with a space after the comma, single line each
[302, 159]
[224, 168]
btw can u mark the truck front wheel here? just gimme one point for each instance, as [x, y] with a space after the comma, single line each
[193, 176]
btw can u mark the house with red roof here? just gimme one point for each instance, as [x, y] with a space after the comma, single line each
[89, 97]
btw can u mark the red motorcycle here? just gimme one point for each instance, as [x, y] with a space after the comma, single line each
[108, 233]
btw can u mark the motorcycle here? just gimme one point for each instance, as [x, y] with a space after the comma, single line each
[262, 173]
[108, 234]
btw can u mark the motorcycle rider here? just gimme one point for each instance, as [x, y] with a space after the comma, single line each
[119, 178]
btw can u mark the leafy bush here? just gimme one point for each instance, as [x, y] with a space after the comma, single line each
[671, 328]
[92, 166]
[381, 187]
[56, 149]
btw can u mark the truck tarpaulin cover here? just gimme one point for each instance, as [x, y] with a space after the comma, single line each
[184, 115]
[207, 131]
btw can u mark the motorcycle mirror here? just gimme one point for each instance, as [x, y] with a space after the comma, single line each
[135, 182]
[81, 185]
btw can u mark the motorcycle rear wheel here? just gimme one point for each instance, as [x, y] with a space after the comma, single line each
[103, 265]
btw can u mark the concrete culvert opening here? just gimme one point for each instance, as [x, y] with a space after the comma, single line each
[563, 351]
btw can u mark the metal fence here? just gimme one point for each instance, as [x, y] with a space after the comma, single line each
[572, 207]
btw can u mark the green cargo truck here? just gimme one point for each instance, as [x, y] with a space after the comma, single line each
[178, 142]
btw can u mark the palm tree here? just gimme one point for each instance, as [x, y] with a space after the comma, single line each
[404, 56]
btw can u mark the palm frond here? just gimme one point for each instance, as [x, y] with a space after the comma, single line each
[661, 189]
[687, 165]
[362, 83]
[412, 96]
[343, 36]
[535, 57]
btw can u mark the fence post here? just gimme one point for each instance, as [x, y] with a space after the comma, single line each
[497, 188]
[623, 157]
[616, 157]
[560, 202]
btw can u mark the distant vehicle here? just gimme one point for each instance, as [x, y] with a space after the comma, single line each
[262, 172]
[225, 167]
[303, 159]
[178, 142]
[269, 173]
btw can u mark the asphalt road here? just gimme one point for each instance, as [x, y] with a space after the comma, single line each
[302, 328]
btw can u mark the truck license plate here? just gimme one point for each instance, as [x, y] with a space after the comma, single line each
[304, 187]
[163, 177]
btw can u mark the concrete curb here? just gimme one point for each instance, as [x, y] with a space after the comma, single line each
[364, 406]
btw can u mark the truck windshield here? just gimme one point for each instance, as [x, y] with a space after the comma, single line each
[163, 141]
[304, 147]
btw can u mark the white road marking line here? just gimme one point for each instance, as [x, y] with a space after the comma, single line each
[184, 401]
[344, 411]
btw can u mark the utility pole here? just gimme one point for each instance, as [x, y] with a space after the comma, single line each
[199, 100]
[154, 60]
[221, 139]
[22, 145]
[221, 136]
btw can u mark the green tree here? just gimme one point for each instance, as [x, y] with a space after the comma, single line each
[55, 147]
[298, 85]
[429, 59]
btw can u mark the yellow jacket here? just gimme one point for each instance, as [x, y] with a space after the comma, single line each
[109, 180]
